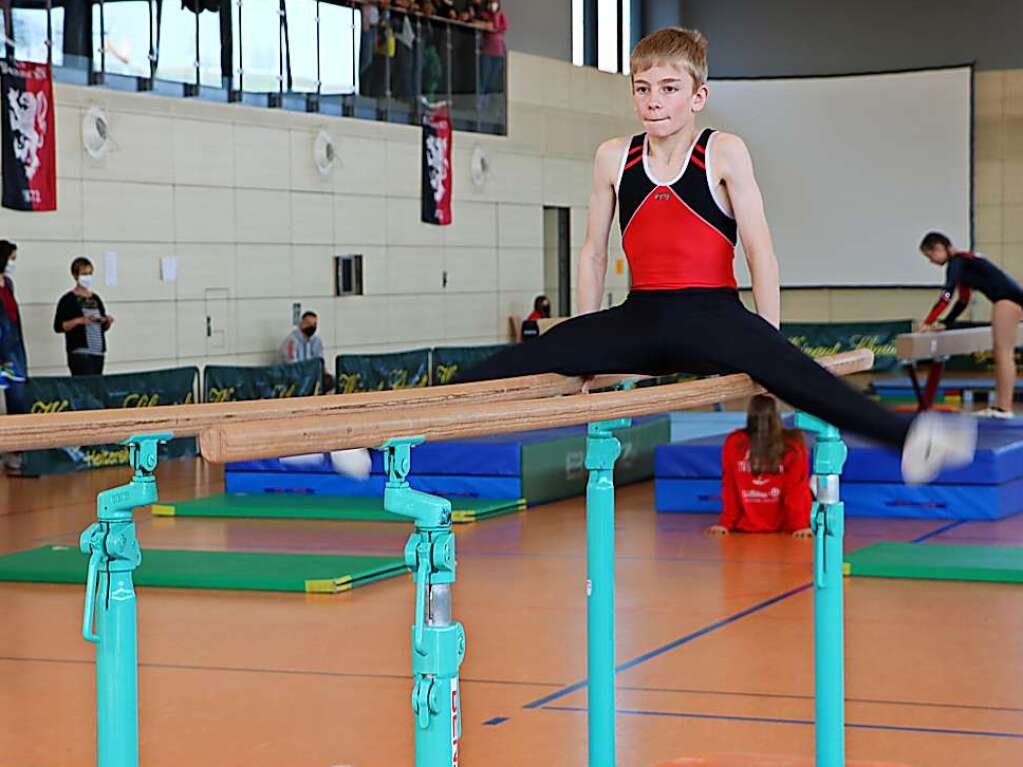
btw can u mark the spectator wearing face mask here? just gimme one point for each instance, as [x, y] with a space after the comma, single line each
[303, 344]
[541, 308]
[530, 326]
[83, 319]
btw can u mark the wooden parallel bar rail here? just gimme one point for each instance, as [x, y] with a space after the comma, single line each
[96, 427]
[267, 439]
[946, 343]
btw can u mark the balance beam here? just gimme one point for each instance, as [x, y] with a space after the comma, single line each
[303, 434]
[910, 347]
[39, 431]
[938, 346]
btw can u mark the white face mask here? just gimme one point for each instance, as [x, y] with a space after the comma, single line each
[11, 265]
[85, 281]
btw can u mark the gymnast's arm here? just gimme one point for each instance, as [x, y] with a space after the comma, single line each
[953, 273]
[733, 160]
[959, 306]
[593, 257]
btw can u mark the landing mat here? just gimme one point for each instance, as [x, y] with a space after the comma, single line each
[293, 506]
[249, 571]
[941, 562]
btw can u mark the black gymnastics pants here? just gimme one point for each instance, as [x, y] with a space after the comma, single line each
[701, 331]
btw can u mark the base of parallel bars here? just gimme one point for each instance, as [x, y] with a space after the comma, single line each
[763, 760]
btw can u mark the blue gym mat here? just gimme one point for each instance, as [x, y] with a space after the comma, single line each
[688, 479]
[536, 465]
[867, 499]
[689, 425]
[250, 482]
[903, 386]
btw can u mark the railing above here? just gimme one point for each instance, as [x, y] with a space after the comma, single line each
[345, 58]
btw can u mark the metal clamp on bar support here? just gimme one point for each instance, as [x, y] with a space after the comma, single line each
[114, 554]
[438, 643]
[828, 523]
[827, 519]
[602, 451]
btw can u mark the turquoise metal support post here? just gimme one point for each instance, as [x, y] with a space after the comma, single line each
[828, 524]
[110, 603]
[602, 450]
[438, 643]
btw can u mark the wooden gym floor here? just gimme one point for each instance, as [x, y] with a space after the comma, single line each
[716, 635]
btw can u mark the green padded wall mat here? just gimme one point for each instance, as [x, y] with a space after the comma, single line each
[250, 571]
[557, 469]
[935, 561]
[286, 506]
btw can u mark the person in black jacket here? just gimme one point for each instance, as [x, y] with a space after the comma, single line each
[83, 319]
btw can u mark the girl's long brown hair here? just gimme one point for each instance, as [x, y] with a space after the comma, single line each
[767, 435]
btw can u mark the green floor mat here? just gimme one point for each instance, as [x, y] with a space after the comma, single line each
[932, 561]
[285, 506]
[250, 571]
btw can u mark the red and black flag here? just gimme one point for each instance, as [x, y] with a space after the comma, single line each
[436, 184]
[29, 152]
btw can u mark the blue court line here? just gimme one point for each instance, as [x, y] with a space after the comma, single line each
[803, 722]
[496, 720]
[792, 696]
[939, 531]
[674, 644]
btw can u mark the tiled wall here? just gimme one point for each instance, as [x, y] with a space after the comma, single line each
[998, 180]
[233, 194]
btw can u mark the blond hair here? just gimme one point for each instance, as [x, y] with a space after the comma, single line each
[673, 45]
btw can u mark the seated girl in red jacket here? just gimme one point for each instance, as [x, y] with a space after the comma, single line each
[765, 483]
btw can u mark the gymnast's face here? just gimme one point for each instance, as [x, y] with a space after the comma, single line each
[938, 255]
[665, 100]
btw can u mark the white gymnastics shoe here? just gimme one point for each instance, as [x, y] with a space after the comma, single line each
[937, 442]
[352, 463]
[994, 412]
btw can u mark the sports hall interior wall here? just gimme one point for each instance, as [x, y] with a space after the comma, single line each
[540, 27]
[232, 193]
[751, 38]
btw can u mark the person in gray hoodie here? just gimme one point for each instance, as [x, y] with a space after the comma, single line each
[303, 344]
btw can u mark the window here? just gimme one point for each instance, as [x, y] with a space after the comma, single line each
[209, 49]
[607, 35]
[120, 37]
[30, 34]
[302, 45]
[261, 45]
[339, 47]
[602, 34]
[177, 54]
[348, 275]
[626, 32]
[578, 33]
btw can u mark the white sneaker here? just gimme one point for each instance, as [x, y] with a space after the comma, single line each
[352, 463]
[937, 442]
[994, 412]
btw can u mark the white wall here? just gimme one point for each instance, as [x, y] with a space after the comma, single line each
[232, 193]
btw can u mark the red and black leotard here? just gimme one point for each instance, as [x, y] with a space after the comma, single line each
[683, 313]
[967, 272]
[675, 234]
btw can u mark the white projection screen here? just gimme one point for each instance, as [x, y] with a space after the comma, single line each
[855, 169]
